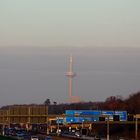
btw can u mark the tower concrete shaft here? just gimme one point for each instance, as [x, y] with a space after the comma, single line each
[70, 74]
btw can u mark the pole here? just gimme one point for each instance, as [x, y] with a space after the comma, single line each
[8, 118]
[58, 127]
[29, 118]
[82, 123]
[3, 127]
[136, 129]
[108, 128]
[47, 121]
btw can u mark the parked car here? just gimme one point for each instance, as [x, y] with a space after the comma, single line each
[34, 138]
[121, 138]
[20, 134]
[97, 137]
[48, 138]
[78, 134]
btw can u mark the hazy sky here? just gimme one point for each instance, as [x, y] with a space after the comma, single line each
[69, 22]
[37, 37]
[32, 74]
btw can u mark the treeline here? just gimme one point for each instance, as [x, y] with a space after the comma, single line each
[131, 105]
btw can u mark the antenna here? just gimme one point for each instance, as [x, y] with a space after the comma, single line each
[70, 74]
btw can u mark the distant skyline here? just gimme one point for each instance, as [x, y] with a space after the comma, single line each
[69, 23]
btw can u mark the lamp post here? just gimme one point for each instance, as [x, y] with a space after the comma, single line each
[83, 123]
[3, 128]
[58, 126]
[70, 125]
[47, 119]
[136, 128]
[108, 127]
[137, 116]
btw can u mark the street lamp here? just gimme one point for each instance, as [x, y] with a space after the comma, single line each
[108, 127]
[58, 126]
[83, 123]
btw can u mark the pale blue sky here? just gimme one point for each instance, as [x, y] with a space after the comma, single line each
[69, 23]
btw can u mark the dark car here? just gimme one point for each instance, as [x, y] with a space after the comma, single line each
[48, 138]
[97, 137]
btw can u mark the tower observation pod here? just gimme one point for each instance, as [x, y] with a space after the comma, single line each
[70, 74]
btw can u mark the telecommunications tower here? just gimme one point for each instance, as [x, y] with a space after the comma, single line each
[70, 74]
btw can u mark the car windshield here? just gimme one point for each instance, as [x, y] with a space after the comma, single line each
[34, 137]
[48, 138]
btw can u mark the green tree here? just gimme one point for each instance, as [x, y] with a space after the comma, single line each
[47, 102]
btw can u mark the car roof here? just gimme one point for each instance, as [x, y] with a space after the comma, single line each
[34, 136]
